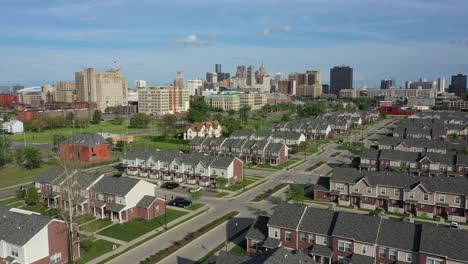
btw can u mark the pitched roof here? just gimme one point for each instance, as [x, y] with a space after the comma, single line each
[146, 201]
[259, 229]
[86, 139]
[18, 228]
[445, 242]
[318, 221]
[400, 235]
[119, 186]
[287, 215]
[363, 228]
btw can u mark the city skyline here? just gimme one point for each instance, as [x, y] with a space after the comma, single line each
[55, 39]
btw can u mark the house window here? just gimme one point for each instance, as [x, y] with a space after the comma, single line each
[364, 250]
[276, 233]
[411, 195]
[303, 236]
[343, 260]
[457, 200]
[356, 188]
[56, 258]
[397, 193]
[426, 197]
[409, 257]
[157, 208]
[325, 241]
[14, 251]
[442, 198]
[176, 167]
[287, 236]
[344, 246]
[311, 238]
[383, 190]
[339, 187]
[433, 261]
[110, 199]
[382, 252]
[393, 254]
[369, 189]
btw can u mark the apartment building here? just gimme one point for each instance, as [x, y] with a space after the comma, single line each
[28, 237]
[287, 138]
[120, 199]
[419, 145]
[163, 100]
[85, 147]
[255, 100]
[203, 129]
[226, 101]
[429, 129]
[341, 237]
[397, 192]
[193, 168]
[106, 89]
[391, 92]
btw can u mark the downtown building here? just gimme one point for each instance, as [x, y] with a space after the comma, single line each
[341, 77]
[163, 100]
[458, 84]
[391, 92]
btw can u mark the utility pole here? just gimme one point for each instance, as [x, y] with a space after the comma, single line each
[165, 211]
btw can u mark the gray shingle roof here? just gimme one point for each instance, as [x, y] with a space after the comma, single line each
[146, 201]
[52, 176]
[259, 230]
[119, 186]
[321, 250]
[318, 221]
[86, 139]
[284, 256]
[358, 227]
[18, 228]
[442, 241]
[287, 215]
[361, 259]
[398, 235]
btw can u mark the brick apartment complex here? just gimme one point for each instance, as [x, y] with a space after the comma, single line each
[120, 199]
[397, 192]
[28, 237]
[340, 237]
[194, 168]
[85, 148]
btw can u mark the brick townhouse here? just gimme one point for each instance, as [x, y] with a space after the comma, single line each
[397, 192]
[419, 129]
[341, 237]
[86, 148]
[193, 168]
[249, 151]
[420, 145]
[416, 163]
[287, 138]
[120, 199]
[28, 237]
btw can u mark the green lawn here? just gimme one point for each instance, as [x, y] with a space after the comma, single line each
[14, 175]
[312, 146]
[221, 194]
[96, 225]
[316, 165]
[10, 200]
[93, 249]
[85, 218]
[240, 248]
[144, 141]
[46, 136]
[133, 229]
[291, 163]
[238, 186]
[358, 146]
[194, 206]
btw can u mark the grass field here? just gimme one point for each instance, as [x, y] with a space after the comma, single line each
[46, 136]
[316, 165]
[240, 248]
[238, 186]
[194, 206]
[133, 229]
[291, 163]
[352, 146]
[144, 141]
[95, 225]
[14, 175]
[93, 249]
[10, 200]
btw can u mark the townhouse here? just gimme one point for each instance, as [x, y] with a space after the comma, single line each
[341, 237]
[416, 163]
[249, 151]
[419, 145]
[397, 192]
[312, 128]
[203, 129]
[120, 199]
[441, 116]
[274, 256]
[287, 138]
[429, 129]
[28, 237]
[85, 148]
[193, 168]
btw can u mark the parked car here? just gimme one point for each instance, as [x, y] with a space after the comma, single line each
[196, 189]
[180, 202]
[373, 213]
[407, 219]
[169, 185]
[454, 225]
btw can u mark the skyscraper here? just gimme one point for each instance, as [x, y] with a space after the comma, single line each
[458, 84]
[212, 77]
[179, 80]
[218, 68]
[341, 77]
[251, 75]
[194, 86]
[140, 83]
[387, 84]
[241, 71]
[441, 85]
[106, 89]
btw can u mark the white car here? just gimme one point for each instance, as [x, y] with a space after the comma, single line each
[197, 189]
[454, 225]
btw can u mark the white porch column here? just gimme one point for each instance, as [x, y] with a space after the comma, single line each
[102, 212]
[120, 217]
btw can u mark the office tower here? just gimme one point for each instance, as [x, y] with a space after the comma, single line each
[212, 77]
[65, 92]
[408, 84]
[287, 87]
[325, 88]
[241, 71]
[341, 77]
[387, 84]
[441, 85]
[251, 75]
[421, 84]
[163, 100]
[106, 89]
[195, 86]
[278, 76]
[140, 83]
[458, 84]
[314, 77]
[222, 76]
[179, 80]
[264, 83]
[218, 68]
[48, 93]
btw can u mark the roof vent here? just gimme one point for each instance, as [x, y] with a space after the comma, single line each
[285, 256]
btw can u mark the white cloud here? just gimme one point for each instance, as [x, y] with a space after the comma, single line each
[283, 29]
[192, 40]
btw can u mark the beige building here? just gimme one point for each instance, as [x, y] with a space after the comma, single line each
[226, 101]
[30, 98]
[255, 100]
[314, 90]
[106, 89]
[163, 100]
[393, 92]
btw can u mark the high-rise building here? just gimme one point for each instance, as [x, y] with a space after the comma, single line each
[65, 92]
[251, 75]
[341, 77]
[195, 86]
[441, 85]
[48, 93]
[140, 83]
[106, 89]
[179, 80]
[387, 84]
[222, 76]
[241, 71]
[163, 100]
[325, 88]
[264, 83]
[218, 68]
[287, 87]
[421, 84]
[458, 84]
[212, 77]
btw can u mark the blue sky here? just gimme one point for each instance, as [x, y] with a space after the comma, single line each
[44, 41]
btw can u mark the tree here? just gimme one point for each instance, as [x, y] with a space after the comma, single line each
[244, 113]
[139, 120]
[168, 121]
[6, 118]
[57, 139]
[231, 112]
[31, 197]
[285, 118]
[39, 125]
[28, 157]
[5, 156]
[97, 116]
[118, 120]
[198, 111]
[295, 193]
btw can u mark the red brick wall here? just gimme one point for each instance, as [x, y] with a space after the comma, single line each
[423, 258]
[143, 213]
[427, 208]
[288, 244]
[322, 195]
[283, 155]
[238, 169]
[162, 207]
[386, 260]
[70, 152]
[58, 237]
[336, 252]
[303, 244]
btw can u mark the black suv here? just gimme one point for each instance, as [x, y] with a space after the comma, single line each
[180, 202]
[170, 185]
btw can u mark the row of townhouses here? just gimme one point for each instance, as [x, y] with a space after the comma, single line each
[193, 168]
[416, 163]
[412, 128]
[249, 151]
[440, 116]
[342, 237]
[203, 129]
[120, 199]
[397, 192]
[420, 145]
[285, 137]
[28, 237]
